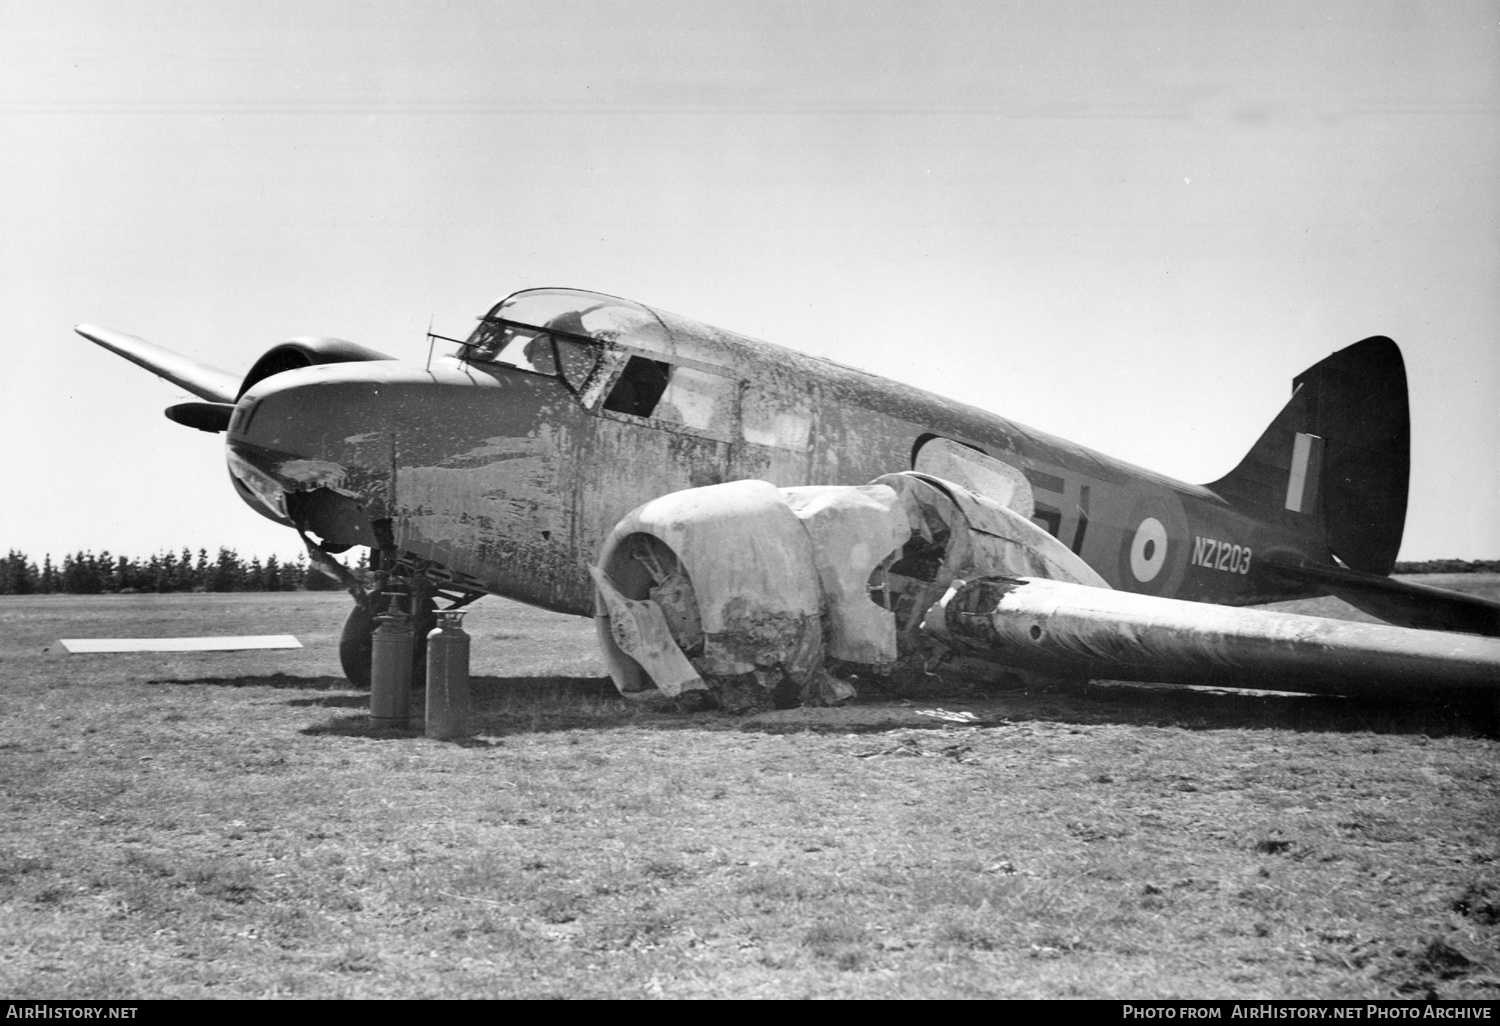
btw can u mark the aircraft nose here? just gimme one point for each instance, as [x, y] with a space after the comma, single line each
[312, 447]
[321, 446]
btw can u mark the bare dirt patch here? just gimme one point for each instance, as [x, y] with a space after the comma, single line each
[227, 824]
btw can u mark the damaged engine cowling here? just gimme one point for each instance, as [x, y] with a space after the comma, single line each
[748, 595]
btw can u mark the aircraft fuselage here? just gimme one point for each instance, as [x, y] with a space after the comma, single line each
[511, 474]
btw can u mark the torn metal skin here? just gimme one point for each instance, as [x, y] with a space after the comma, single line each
[744, 580]
[965, 586]
[853, 532]
[732, 568]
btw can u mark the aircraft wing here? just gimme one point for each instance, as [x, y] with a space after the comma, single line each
[1402, 602]
[1064, 629]
[201, 379]
[912, 573]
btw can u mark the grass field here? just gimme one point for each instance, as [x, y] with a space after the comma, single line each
[226, 824]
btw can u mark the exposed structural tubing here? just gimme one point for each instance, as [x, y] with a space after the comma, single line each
[1067, 629]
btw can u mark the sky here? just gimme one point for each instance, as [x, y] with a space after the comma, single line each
[1129, 224]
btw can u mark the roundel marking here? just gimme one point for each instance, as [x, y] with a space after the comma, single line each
[1148, 551]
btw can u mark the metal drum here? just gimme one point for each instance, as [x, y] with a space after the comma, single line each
[448, 677]
[390, 668]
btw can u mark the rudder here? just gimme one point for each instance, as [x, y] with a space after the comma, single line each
[1336, 461]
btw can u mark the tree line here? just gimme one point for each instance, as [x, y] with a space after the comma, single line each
[1449, 566]
[84, 573]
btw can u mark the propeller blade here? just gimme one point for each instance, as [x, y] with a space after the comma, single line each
[210, 417]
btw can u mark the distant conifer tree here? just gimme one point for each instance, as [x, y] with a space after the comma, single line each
[182, 572]
[18, 575]
[69, 574]
[270, 577]
[127, 574]
[226, 574]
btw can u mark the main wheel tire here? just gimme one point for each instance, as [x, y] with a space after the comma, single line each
[355, 645]
[357, 641]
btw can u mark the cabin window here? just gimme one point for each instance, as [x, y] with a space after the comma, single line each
[640, 387]
[697, 399]
[671, 394]
[771, 420]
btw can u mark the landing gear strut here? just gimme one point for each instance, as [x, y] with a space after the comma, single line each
[421, 581]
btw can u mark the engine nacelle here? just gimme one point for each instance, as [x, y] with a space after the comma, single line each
[741, 589]
[306, 351]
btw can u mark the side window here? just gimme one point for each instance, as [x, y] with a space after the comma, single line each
[775, 422]
[673, 395]
[640, 387]
[697, 399]
[575, 361]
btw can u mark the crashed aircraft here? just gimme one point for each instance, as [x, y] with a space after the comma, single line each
[748, 524]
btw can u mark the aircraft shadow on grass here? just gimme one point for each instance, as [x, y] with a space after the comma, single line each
[266, 680]
[1190, 709]
[520, 705]
[531, 704]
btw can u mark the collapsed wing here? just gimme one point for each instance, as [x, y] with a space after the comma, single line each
[201, 379]
[1063, 629]
[745, 587]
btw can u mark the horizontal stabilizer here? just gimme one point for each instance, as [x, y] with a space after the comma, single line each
[1401, 602]
[1070, 630]
[201, 379]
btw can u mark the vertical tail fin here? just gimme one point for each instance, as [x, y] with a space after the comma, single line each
[1336, 461]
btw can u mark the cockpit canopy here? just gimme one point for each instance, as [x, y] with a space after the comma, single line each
[560, 332]
[620, 357]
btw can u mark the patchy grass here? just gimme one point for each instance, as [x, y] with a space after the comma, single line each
[227, 824]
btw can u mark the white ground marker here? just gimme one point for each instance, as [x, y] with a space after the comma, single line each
[221, 644]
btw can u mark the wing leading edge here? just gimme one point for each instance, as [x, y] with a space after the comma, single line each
[203, 380]
[1064, 629]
